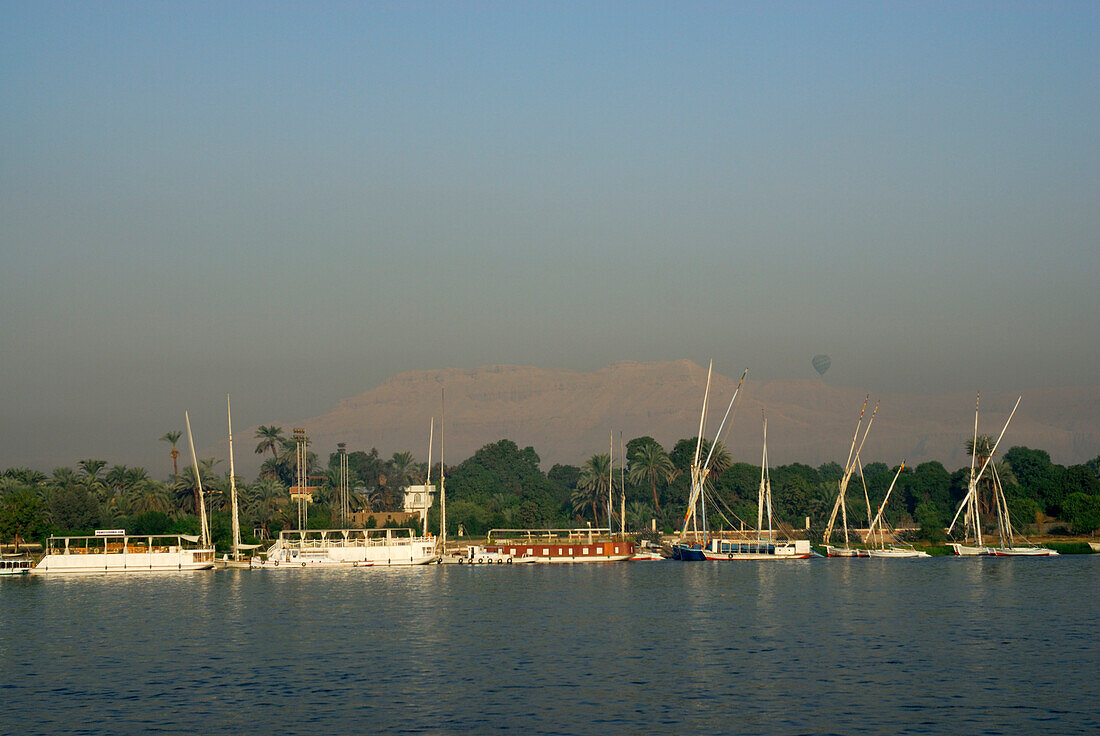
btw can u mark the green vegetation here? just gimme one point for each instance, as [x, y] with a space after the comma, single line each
[502, 486]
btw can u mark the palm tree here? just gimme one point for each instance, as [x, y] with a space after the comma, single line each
[265, 500]
[152, 496]
[187, 489]
[91, 478]
[402, 467]
[271, 438]
[592, 486]
[172, 438]
[638, 514]
[651, 463]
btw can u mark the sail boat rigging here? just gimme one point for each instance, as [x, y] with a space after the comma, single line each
[878, 525]
[696, 513]
[969, 507]
[841, 504]
[204, 533]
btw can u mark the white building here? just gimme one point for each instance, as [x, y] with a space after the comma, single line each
[418, 499]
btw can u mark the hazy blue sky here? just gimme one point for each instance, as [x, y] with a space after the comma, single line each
[294, 202]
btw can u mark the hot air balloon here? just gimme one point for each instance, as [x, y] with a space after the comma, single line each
[821, 364]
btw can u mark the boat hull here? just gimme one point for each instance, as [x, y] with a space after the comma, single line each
[565, 552]
[688, 553]
[152, 562]
[898, 553]
[831, 551]
[963, 550]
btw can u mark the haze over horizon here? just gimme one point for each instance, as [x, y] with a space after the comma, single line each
[294, 203]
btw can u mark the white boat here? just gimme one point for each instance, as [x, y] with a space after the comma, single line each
[964, 550]
[17, 564]
[831, 551]
[878, 525]
[757, 549]
[115, 551]
[841, 503]
[478, 555]
[895, 552]
[343, 548]
[970, 509]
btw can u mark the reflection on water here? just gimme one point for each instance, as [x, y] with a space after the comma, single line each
[940, 646]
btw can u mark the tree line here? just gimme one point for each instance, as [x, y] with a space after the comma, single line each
[503, 486]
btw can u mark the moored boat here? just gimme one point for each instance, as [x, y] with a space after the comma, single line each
[878, 526]
[964, 550]
[16, 564]
[343, 548]
[970, 508]
[831, 551]
[757, 549]
[560, 545]
[896, 552]
[115, 551]
[841, 503]
[475, 554]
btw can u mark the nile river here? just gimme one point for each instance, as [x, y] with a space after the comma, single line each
[940, 646]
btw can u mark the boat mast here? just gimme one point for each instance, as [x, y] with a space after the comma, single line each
[972, 490]
[610, 483]
[622, 485]
[853, 457]
[233, 485]
[695, 461]
[701, 474]
[204, 529]
[763, 473]
[428, 475]
[969, 503]
[989, 459]
[442, 491]
[882, 507]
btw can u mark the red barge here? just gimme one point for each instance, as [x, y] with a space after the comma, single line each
[560, 545]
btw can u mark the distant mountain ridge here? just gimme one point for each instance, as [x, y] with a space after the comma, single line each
[568, 416]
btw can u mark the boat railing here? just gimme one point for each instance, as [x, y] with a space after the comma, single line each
[528, 536]
[116, 544]
[322, 538]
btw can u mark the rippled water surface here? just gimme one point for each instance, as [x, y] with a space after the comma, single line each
[941, 646]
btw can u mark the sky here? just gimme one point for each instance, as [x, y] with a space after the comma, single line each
[294, 202]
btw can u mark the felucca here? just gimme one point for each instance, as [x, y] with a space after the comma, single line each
[969, 507]
[841, 504]
[696, 514]
[878, 525]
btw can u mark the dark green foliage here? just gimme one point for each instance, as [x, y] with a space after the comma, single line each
[151, 522]
[565, 477]
[72, 509]
[1037, 477]
[21, 515]
[931, 520]
[830, 471]
[502, 486]
[1082, 512]
[1094, 466]
[1070, 548]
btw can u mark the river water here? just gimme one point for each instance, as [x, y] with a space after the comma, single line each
[940, 646]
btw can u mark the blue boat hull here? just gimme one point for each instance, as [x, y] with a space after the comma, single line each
[688, 553]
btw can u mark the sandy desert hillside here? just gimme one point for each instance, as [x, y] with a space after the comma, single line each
[566, 416]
